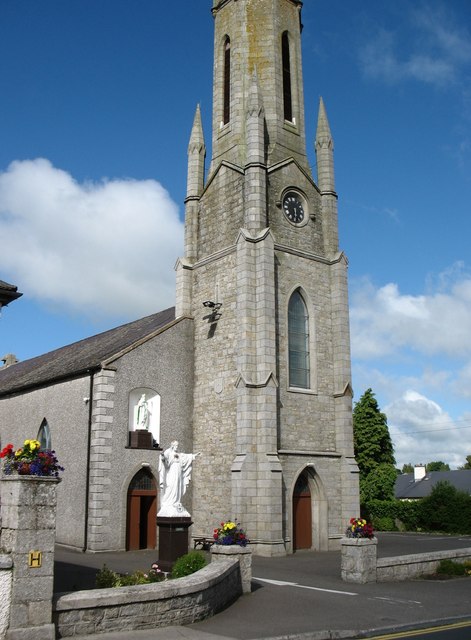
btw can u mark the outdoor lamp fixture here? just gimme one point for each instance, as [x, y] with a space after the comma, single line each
[214, 306]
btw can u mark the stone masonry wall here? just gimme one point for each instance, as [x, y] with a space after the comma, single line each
[174, 602]
[5, 592]
[215, 394]
[415, 565]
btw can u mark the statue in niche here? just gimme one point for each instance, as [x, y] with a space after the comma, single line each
[142, 413]
[174, 476]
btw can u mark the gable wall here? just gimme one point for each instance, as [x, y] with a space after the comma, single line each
[165, 364]
[66, 412]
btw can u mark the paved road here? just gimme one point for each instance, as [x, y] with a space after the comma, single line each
[458, 631]
[303, 594]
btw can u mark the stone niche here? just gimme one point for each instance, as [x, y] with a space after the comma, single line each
[144, 418]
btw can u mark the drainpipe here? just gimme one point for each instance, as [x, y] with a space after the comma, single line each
[87, 479]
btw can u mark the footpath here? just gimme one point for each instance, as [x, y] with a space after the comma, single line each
[302, 597]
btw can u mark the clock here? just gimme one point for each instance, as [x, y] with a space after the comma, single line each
[293, 207]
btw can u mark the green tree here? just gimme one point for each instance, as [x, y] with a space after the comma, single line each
[467, 464]
[437, 465]
[379, 484]
[446, 509]
[373, 448]
[407, 468]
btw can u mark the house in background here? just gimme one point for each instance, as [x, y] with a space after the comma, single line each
[417, 485]
[8, 293]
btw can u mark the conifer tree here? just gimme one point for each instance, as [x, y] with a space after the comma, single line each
[467, 464]
[373, 446]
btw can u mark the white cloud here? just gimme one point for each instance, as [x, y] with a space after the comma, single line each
[102, 249]
[384, 320]
[422, 431]
[437, 56]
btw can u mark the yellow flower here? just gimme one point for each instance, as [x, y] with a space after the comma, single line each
[31, 444]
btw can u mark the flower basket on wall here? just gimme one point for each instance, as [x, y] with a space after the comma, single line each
[30, 460]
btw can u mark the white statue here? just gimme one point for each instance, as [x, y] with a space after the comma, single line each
[174, 475]
[142, 413]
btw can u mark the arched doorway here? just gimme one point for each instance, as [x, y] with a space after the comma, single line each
[302, 517]
[141, 526]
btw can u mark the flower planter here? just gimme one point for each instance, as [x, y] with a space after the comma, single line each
[359, 559]
[243, 554]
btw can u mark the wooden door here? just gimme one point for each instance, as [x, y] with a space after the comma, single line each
[302, 516]
[141, 526]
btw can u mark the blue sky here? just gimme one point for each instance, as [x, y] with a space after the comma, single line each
[98, 98]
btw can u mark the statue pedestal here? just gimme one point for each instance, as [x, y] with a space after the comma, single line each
[173, 540]
[140, 439]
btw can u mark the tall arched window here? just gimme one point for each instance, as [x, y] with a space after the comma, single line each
[285, 57]
[298, 342]
[227, 81]
[44, 435]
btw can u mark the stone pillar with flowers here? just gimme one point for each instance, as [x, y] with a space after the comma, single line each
[359, 552]
[230, 540]
[28, 497]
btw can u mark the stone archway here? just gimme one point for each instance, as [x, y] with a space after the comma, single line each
[302, 516]
[309, 512]
[141, 526]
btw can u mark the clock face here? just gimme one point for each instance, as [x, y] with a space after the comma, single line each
[293, 207]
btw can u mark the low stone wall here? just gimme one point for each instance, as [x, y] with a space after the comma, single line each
[415, 565]
[174, 602]
[6, 565]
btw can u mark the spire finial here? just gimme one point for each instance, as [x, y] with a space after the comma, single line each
[323, 134]
[197, 136]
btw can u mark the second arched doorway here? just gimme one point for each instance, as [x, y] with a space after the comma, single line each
[141, 527]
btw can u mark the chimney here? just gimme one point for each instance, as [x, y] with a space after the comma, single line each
[8, 360]
[419, 472]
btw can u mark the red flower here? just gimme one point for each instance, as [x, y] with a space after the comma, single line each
[6, 451]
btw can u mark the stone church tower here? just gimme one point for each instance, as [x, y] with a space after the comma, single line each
[266, 284]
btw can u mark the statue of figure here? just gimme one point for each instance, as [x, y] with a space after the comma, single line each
[142, 413]
[174, 475]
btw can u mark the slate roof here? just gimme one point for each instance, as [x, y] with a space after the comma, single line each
[78, 358]
[8, 293]
[406, 488]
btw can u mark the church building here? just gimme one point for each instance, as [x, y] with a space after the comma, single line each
[251, 369]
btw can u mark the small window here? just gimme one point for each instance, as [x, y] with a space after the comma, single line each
[285, 56]
[44, 435]
[227, 81]
[298, 342]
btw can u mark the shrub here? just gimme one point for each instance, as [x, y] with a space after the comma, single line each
[383, 523]
[450, 568]
[128, 580]
[106, 578]
[188, 564]
[446, 509]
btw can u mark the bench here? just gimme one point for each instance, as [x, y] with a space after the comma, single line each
[204, 543]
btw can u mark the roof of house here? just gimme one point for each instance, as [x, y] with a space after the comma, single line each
[408, 488]
[8, 293]
[78, 358]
